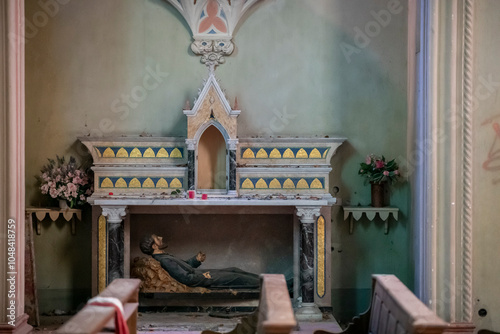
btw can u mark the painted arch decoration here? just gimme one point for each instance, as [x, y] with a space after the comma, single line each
[212, 23]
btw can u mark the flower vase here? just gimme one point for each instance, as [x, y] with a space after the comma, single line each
[63, 204]
[378, 194]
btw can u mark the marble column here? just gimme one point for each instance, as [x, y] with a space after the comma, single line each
[116, 245]
[191, 164]
[308, 310]
[232, 145]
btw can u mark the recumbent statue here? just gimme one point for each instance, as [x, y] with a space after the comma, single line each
[186, 272]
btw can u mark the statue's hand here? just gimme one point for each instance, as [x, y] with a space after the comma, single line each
[207, 275]
[201, 257]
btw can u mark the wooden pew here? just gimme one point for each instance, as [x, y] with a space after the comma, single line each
[394, 309]
[94, 319]
[274, 314]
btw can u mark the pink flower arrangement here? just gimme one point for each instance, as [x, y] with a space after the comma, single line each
[66, 181]
[375, 169]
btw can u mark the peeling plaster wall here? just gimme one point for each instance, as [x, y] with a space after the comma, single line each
[300, 68]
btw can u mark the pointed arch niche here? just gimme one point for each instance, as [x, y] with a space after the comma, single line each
[212, 159]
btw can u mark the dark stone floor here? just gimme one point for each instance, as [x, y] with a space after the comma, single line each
[188, 323]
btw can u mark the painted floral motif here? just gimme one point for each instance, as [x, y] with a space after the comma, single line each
[212, 19]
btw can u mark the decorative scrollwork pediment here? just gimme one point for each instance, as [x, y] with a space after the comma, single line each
[212, 24]
[212, 51]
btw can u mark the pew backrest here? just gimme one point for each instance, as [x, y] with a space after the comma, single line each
[396, 310]
[274, 314]
[275, 308]
[93, 319]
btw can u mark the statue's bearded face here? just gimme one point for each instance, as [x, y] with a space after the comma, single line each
[158, 242]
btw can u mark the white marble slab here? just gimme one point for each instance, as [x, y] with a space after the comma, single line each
[219, 201]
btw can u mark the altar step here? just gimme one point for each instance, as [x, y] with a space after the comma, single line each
[199, 301]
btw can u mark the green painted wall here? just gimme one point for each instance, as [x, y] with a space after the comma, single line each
[485, 163]
[300, 68]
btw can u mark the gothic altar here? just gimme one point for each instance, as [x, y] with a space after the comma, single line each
[214, 172]
[145, 175]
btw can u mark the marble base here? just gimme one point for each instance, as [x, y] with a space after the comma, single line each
[21, 327]
[308, 312]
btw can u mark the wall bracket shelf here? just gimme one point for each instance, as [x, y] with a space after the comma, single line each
[356, 212]
[54, 214]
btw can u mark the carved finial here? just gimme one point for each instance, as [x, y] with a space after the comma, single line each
[211, 66]
[236, 107]
[187, 106]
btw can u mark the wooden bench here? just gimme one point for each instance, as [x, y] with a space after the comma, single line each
[394, 309]
[95, 319]
[274, 314]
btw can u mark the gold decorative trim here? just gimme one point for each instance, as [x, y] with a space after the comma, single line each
[261, 154]
[320, 232]
[102, 247]
[107, 183]
[122, 153]
[108, 153]
[162, 153]
[288, 184]
[149, 153]
[121, 183]
[175, 183]
[302, 184]
[248, 154]
[275, 184]
[316, 184]
[315, 154]
[301, 154]
[247, 184]
[162, 183]
[135, 153]
[285, 183]
[275, 154]
[148, 183]
[176, 153]
[288, 154]
[134, 183]
[261, 184]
